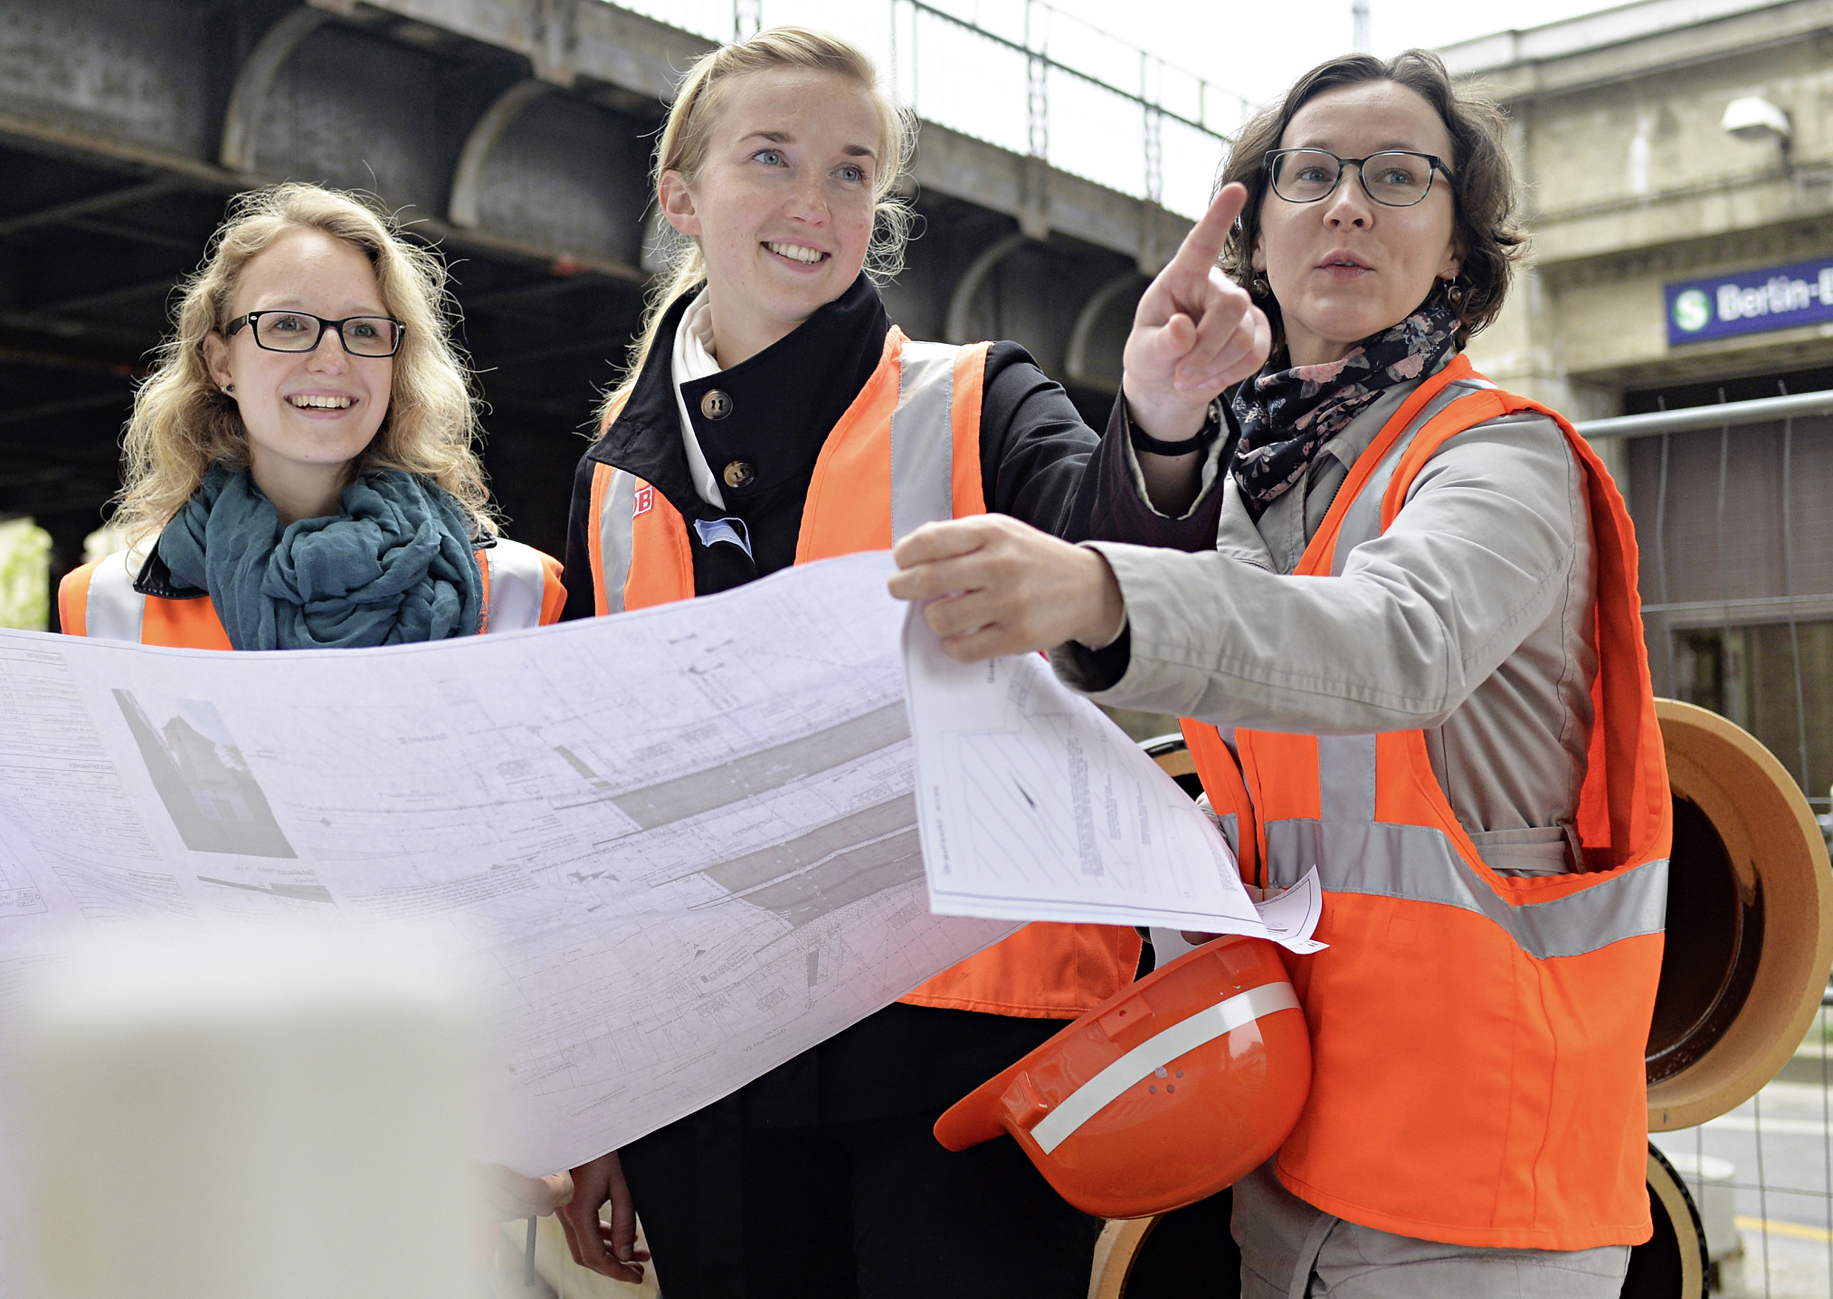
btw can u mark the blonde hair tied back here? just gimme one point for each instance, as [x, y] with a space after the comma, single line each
[689, 128]
[182, 423]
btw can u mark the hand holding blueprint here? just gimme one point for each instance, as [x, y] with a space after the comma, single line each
[1034, 806]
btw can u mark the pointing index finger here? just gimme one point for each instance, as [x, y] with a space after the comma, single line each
[1203, 245]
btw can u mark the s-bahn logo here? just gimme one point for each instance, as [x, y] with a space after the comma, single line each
[1692, 311]
[1750, 302]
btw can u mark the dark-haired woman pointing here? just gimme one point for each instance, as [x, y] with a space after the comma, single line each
[1417, 646]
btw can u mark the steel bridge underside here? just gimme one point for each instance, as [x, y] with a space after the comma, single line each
[515, 134]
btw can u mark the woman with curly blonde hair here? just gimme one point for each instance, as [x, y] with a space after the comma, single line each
[301, 466]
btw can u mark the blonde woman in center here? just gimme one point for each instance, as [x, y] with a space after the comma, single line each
[773, 415]
[302, 470]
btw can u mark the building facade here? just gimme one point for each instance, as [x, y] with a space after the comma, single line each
[1677, 160]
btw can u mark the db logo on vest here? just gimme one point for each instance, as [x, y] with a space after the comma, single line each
[1170, 1090]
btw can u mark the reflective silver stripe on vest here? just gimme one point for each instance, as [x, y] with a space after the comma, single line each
[1420, 864]
[516, 586]
[922, 438]
[115, 611]
[1155, 1052]
[614, 522]
[1362, 520]
[1230, 825]
[1346, 777]
[922, 463]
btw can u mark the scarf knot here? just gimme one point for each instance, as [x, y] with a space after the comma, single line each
[394, 565]
[1286, 415]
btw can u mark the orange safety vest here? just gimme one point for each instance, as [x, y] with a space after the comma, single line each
[522, 588]
[1478, 1039]
[906, 452]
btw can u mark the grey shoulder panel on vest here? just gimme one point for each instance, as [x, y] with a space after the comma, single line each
[115, 611]
[615, 518]
[922, 438]
[517, 585]
[1362, 521]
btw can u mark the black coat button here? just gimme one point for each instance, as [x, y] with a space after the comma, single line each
[716, 404]
[739, 473]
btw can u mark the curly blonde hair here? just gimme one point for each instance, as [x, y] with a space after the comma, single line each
[683, 148]
[182, 423]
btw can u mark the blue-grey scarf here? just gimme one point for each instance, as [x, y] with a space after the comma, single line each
[395, 565]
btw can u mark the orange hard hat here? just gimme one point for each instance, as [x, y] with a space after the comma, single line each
[1165, 1093]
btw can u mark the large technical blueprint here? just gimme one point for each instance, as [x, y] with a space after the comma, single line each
[682, 842]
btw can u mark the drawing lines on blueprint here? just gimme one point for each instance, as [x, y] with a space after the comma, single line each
[1009, 801]
[681, 841]
[41, 712]
[20, 892]
[56, 778]
[994, 765]
[1035, 806]
[62, 791]
[772, 768]
[830, 866]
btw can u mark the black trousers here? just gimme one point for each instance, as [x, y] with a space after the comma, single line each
[870, 1209]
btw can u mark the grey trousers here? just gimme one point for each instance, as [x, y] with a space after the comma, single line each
[1290, 1250]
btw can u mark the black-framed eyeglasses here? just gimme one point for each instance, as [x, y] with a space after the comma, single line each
[301, 331]
[1393, 178]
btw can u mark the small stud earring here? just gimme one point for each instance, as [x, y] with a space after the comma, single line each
[229, 390]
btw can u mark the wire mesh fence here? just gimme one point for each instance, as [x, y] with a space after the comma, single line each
[1762, 1178]
[1734, 515]
[1738, 574]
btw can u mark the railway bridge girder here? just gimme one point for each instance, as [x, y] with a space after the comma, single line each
[513, 133]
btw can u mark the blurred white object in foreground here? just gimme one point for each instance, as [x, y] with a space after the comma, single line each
[286, 1116]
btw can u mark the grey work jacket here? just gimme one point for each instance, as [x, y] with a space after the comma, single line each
[1470, 618]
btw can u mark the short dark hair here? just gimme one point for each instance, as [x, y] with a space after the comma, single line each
[1482, 179]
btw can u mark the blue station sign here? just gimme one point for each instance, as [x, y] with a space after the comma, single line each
[1750, 302]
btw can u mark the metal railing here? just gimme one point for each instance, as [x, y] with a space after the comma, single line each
[1024, 75]
[1164, 95]
[1731, 414]
[1762, 1178]
[1738, 601]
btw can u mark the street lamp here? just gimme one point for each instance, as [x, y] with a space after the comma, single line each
[1754, 119]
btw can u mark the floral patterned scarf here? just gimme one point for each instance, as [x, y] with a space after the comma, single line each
[1286, 415]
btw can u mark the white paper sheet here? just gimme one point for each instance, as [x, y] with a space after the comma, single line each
[682, 841]
[1035, 806]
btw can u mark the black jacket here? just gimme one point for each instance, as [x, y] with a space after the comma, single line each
[1038, 463]
[1034, 447]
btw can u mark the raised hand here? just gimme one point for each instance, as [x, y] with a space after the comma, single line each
[1195, 331]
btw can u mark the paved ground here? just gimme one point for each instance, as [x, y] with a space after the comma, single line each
[1780, 1144]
